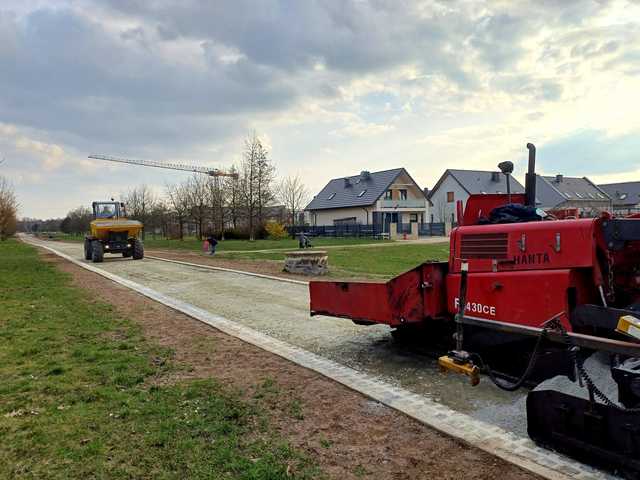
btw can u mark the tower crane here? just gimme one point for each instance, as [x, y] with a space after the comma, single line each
[213, 172]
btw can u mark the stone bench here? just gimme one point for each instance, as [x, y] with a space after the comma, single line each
[307, 262]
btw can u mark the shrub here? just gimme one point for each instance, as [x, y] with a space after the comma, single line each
[276, 231]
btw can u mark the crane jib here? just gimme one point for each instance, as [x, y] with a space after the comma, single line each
[157, 164]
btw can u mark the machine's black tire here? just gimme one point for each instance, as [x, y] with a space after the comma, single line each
[87, 249]
[138, 250]
[97, 251]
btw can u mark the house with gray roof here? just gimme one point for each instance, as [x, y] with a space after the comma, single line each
[559, 192]
[378, 198]
[625, 196]
[456, 185]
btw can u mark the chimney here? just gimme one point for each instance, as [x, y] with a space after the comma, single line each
[495, 176]
[364, 175]
[347, 182]
[559, 178]
[426, 191]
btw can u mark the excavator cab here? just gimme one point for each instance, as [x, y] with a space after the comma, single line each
[107, 209]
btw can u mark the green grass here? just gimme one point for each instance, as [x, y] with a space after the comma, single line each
[368, 261]
[194, 245]
[78, 397]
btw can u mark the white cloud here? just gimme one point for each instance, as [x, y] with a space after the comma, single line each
[332, 88]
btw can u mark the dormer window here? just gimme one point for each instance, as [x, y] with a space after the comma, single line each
[330, 197]
[362, 193]
[387, 195]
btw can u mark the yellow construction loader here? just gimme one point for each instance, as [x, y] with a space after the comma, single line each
[112, 232]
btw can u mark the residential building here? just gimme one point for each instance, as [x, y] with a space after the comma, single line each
[456, 185]
[560, 192]
[378, 198]
[625, 196]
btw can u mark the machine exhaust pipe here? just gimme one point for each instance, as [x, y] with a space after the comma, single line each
[530, 179]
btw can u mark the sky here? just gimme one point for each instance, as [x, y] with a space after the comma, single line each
[331, 87]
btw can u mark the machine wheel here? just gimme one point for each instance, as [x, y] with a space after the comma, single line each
[138, 250]
[97, 251]
[87, 249]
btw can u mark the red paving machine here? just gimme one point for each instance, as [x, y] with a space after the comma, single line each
[548, 302]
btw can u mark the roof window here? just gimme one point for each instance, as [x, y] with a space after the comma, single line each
[330, 197]
[362, 193]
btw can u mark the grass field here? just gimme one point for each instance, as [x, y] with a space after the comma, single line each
[368, 261]
[77, 398]
[193, 244]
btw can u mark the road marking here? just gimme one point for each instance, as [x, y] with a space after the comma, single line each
[489, 438]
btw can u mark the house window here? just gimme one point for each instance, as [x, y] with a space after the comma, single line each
[387, 195]
[413, 218]
[330, 197]
[403, 194]
[450, 197]
[362, 193]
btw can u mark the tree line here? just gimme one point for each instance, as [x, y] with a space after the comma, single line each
[8, 209]
[238, 206]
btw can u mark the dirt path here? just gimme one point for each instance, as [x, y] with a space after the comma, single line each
[350, 436]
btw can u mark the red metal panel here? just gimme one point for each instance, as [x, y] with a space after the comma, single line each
[544, 245]
[407, 298]
[434, 291]
[480, 205]
[524, 298]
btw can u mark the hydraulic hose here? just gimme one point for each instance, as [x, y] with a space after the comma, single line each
[509, 386]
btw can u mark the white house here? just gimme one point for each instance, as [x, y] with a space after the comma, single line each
[372, 198]
[457, 185]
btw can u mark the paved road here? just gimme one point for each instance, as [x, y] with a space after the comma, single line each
[281, 310]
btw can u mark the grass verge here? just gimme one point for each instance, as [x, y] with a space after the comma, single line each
[367, 261]
[80, 396]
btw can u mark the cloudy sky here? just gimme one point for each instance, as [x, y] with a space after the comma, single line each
[333, 88]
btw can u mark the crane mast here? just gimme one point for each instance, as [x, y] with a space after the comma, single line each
[213, 172]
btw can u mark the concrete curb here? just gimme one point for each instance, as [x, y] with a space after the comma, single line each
[230, 270]
[491, 439]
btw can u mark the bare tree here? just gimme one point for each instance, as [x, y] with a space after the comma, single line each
[294, 195]
[256, 182]
[234, 196]
[178, 199]
[264, 184]
[217, 199]
[8, 209]
[251, 158]
[197, 190]
[158, 218]
[77, 221]
[140, 203]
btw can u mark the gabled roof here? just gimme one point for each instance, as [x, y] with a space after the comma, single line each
[551, 192]
[339, 193]
[479, 181]
[625, 193]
